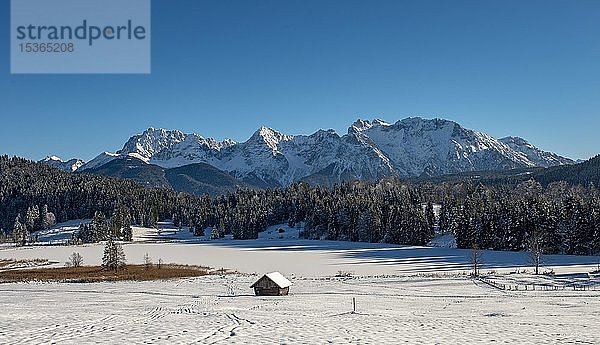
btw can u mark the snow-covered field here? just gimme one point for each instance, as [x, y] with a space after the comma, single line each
[60, 233]
[404, 295]
[214, 309]
[279, 249]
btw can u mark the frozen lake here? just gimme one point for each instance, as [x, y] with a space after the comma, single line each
[293, 256]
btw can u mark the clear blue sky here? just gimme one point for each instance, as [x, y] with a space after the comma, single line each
[224, 68]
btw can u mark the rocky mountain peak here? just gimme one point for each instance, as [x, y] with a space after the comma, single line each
[372, 149]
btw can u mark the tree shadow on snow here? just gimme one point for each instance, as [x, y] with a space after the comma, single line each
[409, 259]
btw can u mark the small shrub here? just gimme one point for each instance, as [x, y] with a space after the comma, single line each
[75, 260]
[344, 274]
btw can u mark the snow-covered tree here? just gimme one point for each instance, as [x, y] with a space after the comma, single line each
[31, 218]
[120, 225]
[147, 261]
[114, 256]
[20, 232]
[47, 218]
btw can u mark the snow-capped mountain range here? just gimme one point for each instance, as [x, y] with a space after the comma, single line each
[370, 150]
[70, 165]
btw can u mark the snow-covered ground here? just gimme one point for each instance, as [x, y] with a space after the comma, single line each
[444, 240]
[165, 231]
[284, 252]
[60, 233]
[404, 294]
[214, 309]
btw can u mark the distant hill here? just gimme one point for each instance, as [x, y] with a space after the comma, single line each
[133, 169]
[581, 173]
[202, 179]
[193, 178]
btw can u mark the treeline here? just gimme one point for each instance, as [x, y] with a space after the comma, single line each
[582, 173]
[36, 218]
[104, 229]
[559, 217]
[28, 188]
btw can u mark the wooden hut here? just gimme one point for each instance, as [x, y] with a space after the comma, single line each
[272, 284]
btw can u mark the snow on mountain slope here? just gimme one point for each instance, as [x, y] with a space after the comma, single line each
[99, 161]
[370, 150]
[539, 157]
[70, 165]
[193, 149]
[273, 157]
[259, 159]
[166, 148]
[418, 146]
[152, 141]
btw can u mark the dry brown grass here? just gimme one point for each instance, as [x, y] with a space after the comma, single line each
[90, 274]
[11, 263]
[5, 263]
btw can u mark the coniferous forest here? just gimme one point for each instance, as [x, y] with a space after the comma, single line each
[558, 217]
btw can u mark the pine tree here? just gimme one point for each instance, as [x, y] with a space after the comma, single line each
[30, 219]
[114, 256]
[120, 224]
[363, 225]
[430, 216]
[99, 227]
[20, 233]
[197, 230]
[47, 219]
[217, 231]
[376, 226]
[127, 231]
[85, 234]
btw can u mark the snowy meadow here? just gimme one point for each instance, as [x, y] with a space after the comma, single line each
[404, 294]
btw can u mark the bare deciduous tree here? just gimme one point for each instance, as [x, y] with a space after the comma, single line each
[476, 258]
[75, 260]
[536, 253]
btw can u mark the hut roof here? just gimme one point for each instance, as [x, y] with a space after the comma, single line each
[276, 278]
